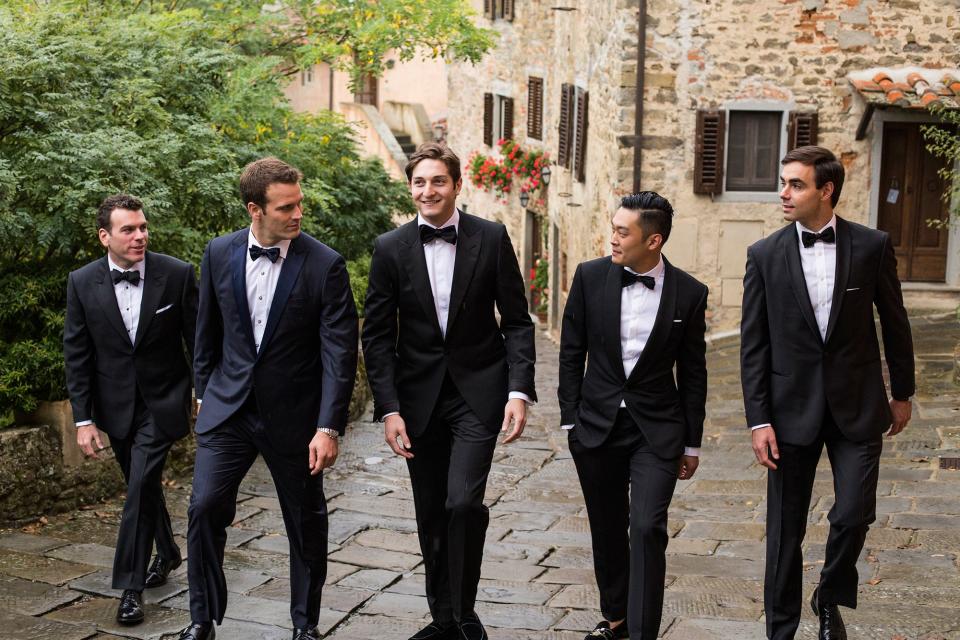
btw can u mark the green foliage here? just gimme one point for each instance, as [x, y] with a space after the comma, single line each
[359, 270]
[943, 140]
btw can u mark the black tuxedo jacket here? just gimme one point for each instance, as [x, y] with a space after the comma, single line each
[407, 356]
[669, 410]
[104, 370]
[303, 374]
[790, 374]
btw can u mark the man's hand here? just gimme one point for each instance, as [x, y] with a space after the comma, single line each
[395, 433]
[323, 452]
[516, 412]
[88, 437]
[765, 447]
[902, 410]
[688, 467]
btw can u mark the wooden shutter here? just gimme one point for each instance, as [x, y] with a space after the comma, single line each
[488, 9]
[580, 154]
[535, 108]
[708, 152]
[507, 124]
[488, 119]
[802, 130]
[564, 129]
[508, 10]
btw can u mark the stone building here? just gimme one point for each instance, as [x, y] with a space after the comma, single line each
[728, 86]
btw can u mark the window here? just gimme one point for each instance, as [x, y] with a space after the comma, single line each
[366, 92]
[306, 76]
[739, 151]
[535, 108]
[494, 9]
[572, 148]
[497, 118]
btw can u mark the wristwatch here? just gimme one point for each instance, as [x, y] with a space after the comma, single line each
[330, 433]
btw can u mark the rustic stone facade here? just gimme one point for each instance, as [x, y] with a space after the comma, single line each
[780, 55]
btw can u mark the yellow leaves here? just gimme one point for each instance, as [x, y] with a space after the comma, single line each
[325, 139]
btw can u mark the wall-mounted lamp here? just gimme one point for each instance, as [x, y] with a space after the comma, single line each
[524, 199]
[438, 131]
[463, 207]
[545, 174]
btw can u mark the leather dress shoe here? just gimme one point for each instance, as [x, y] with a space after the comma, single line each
[603, 632]
[472, 630]
[130, 610]
[199, 631]
[831, 624]
[310, 633]
[159, 571]
[437, 631]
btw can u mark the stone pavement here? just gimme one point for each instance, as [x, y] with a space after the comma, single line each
[537, 578]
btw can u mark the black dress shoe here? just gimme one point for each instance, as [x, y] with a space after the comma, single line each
[831, 624]
[199, 631]
[603, 632]
[159, 571]
[310, 633]
[437, 631]
[130, 610]
[472, 630]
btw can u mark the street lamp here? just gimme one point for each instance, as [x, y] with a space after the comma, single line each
[545, 174]
[524, 199]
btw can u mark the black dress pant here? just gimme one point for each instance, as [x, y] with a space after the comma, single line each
[856, 467]
[141, 456]
[224, 456]
[449, 475]
[627, 488]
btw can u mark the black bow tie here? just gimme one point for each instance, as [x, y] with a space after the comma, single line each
[271, 254]
[809, 238]
[629, 278]
[133, 277]
[447, 234]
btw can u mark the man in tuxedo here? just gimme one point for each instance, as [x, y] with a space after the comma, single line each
[127, 339]
[630, 319]
[275, 365]
[811, 374]
[446, 376]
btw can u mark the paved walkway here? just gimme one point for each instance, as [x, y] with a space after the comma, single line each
[537, 578]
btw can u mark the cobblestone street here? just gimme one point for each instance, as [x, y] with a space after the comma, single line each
[537, 577]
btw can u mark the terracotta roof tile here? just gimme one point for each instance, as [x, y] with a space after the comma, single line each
[908, 88]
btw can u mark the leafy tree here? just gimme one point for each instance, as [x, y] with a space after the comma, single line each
[943, 140]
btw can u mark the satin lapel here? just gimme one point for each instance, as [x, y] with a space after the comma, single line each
[844, 258]
[151, 297]
[664, 320]
[108, 300]
[288, 277]
[411, 255]
[238, 265]
[611, 317]
[468, 250]
[790, 247]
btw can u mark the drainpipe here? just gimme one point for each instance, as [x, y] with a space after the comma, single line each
[638, 114]
[331, 87]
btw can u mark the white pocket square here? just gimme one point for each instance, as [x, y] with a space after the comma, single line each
[854, 289]
[678, 320]
[159, 311]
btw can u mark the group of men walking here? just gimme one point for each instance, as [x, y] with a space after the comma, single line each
[272, 336]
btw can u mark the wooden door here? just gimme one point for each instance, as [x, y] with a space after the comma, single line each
[911, 197]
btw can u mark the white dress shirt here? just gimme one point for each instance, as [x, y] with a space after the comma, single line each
[262, 277]
[129, 298]
[819, 264]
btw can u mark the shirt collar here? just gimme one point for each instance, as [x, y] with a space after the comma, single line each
[283, 245]
[801, 228]
[454, 221]
[137, 266]
[656, 272]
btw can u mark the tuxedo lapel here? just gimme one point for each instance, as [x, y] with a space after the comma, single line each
[108, 300]
[238, 265]
[468, 250]
[292, 264]
[790, 248]
[844, 258]
[413, 260]
[153, 289]
[611, 317]
[664, 319]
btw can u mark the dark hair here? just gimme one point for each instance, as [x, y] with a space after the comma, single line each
[826, 167]
[434, 151]
[655, 212]
[116, 201]
[260, 174]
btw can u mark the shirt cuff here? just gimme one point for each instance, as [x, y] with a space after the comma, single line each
[566, 427]
[520, 394]
[84, 423]
[392, 413]
[761, 426]
[692, 451]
